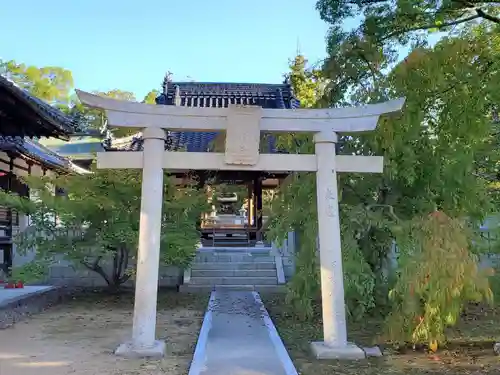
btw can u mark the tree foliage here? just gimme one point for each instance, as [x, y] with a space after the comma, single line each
[367, 37]
[442, 151]
[307, 82]
[440, 154]
[402, 21]
[50, 83]
[96, 225]
[428, 297]
[117, 94]
[99, 116]
[55, 85]
[95, 118]
[151, 96]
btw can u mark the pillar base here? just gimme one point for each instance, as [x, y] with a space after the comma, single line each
[127, 350]
[349, 352]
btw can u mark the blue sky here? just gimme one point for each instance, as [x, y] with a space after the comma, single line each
[130, 44]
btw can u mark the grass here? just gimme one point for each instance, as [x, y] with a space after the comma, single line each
[470, 348]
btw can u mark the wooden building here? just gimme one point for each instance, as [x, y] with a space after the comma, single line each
[203, 94]
[23, 118]
[80, 149]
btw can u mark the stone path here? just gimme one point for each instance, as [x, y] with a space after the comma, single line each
[239, 338]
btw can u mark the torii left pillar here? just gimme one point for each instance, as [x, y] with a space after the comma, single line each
[144, 343]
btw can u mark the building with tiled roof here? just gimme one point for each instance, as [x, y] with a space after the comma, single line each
[205, 94]
[80, 149]
[216, 95]
[22, 114]
[34, 152]
[23, 119]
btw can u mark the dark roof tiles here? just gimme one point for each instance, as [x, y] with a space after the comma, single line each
[210, 94]
[34, 150]
[51, 121]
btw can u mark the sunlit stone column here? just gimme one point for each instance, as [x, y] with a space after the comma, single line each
[143, 342]
[335, 343]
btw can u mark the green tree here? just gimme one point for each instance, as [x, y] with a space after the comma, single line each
[55, 85]
[428, 297]
[441, 153]
[403, 21]
[307, 82]
[308, 86]
[367, 37]
[151, 96]
[94, 118]
[117, 94]
[295, 204]
[50, 83]
[96, 226]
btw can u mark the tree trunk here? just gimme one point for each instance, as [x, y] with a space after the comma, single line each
[120, 265]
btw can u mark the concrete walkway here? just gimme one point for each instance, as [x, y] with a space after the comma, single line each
[10, 295]
[238, 338]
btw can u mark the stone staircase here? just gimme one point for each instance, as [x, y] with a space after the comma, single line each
[234, 269]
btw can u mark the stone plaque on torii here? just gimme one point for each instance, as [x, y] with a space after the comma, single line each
[242, 125]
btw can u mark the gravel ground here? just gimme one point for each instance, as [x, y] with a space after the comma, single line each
[79, 338]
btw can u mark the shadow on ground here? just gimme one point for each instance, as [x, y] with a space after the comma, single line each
[79, 337]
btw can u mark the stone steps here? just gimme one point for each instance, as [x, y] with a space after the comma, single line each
[231, 258]
[233, 272]
[233, 266]
[193, 288]
[248, 250]
[232, 269]
[234, 280]
[227, 241]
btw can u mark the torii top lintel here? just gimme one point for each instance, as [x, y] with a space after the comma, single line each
[140, 115]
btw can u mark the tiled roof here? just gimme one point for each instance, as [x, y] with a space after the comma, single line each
[210, 94]
[203, 94]
[50, 121]
[34, 150]
[177, 141]
[80, 150]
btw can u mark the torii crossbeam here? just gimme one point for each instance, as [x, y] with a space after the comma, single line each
[242, 125]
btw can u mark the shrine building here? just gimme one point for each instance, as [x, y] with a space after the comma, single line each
[23, 119]
[228, 229]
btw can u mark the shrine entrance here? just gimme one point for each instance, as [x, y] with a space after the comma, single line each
[237, 218]
[242, 126]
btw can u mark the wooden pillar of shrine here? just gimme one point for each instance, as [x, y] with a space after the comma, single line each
[7, 221]
[257, 193]
[250, 205]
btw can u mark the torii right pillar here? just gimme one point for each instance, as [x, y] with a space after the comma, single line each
[335, 345]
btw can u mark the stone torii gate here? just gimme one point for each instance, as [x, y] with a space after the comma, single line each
[242, 125]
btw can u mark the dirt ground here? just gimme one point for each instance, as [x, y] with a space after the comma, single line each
[79, 337]
[469, 352]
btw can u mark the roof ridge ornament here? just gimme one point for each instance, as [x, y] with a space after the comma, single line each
[166, 80]
[177, 99]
